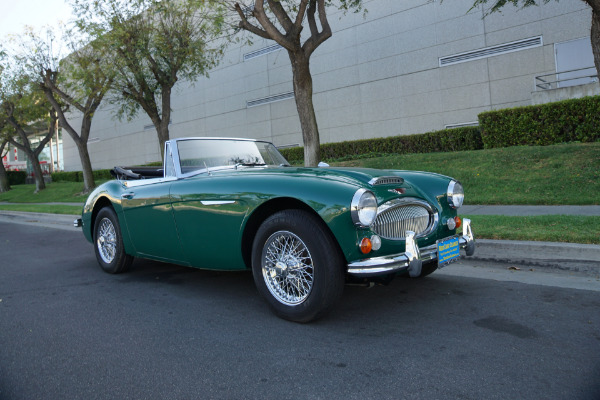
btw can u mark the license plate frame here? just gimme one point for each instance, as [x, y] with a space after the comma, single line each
[448, 251]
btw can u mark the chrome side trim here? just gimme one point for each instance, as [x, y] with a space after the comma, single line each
[216, 202]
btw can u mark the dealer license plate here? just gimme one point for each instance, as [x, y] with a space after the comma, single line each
[448, 251]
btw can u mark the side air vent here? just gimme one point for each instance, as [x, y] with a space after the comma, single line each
[262, 52]
[386, 180]
[492, 51]
[270, 99]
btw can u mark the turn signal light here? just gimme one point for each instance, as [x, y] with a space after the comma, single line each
[458, 222]
[366, 245]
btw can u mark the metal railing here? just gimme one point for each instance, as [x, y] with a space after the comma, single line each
[573, 77]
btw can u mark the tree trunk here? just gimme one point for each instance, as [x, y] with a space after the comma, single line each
[162, 124]
[163, 135]
[595, 39]
[38, 174]
[4, 184]
[303, 91]
[86, 165]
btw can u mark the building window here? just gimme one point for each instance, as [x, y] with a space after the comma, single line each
[492, 51]
[262, 52]
[574, 63]
[270, 99]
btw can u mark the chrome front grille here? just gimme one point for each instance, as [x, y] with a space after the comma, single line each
[396, 217]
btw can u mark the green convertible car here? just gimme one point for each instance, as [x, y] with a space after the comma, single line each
[232, 204]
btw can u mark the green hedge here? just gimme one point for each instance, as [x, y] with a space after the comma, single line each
[467, 138]
[16, 177]
[576, 120]
[77, 176]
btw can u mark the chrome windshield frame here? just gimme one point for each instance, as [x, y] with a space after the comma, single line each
[173, 145]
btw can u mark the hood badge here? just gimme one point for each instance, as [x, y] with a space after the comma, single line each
[397, 191]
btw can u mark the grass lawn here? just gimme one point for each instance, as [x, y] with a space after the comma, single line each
[567, 174]
[59, 192]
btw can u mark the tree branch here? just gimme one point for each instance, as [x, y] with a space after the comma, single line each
[281, 15]
[317, 39]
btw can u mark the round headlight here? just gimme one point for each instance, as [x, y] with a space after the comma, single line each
[456, 194]
[363, 207]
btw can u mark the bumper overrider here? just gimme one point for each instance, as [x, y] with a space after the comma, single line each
[412, 259]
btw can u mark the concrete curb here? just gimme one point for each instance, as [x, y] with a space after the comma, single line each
[566, 256]
[59, 221]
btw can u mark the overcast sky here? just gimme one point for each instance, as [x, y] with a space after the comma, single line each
[37, 13]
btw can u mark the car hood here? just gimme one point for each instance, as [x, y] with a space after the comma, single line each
[360, 176]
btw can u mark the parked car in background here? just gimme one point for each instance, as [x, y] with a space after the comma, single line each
[234, 204]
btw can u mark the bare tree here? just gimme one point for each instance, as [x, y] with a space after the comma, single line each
[25, 110]
[594, 31]
[76, 83]
[153, 44]
[284, 21]
[17, 120]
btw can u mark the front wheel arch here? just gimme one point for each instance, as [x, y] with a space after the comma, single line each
[264, 211]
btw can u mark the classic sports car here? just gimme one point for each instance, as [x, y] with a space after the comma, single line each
[231, 204]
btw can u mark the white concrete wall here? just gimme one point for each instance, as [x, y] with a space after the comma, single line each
[377, 76]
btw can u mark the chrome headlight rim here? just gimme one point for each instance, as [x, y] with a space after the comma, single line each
[455, 194]
[363, 208]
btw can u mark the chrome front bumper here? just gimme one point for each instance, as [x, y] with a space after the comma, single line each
[412, 259]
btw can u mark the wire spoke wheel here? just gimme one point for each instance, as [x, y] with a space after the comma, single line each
[287, 268]
[297, 265]
[107, 241]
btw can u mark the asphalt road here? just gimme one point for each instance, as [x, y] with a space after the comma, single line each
[471, 331]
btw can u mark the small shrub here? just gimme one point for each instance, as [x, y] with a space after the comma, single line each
[77, 176]
[16, 177]
[67, 176]
[457, 139]
[575, 120]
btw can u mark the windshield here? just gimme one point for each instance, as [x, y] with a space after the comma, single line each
[199, 154]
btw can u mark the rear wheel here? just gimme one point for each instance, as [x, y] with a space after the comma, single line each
[108, 242]
[296, 265]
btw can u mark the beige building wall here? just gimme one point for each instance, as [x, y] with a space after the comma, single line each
[377, 76]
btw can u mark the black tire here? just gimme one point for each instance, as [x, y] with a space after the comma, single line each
[308, 277]
[108, 243]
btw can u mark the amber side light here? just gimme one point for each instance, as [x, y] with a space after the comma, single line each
[458, 222]
[366, 245]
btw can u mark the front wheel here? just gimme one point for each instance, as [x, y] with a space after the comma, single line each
[108, 243]
[297, 266]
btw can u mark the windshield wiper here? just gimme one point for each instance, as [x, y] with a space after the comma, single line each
[249, 165]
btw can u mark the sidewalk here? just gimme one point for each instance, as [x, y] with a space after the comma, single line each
[520, 211]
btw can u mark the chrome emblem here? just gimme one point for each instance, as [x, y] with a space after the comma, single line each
[397, 191]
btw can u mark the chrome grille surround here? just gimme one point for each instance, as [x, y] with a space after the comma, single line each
[397, 216]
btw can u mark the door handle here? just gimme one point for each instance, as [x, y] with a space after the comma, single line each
[127, 196]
